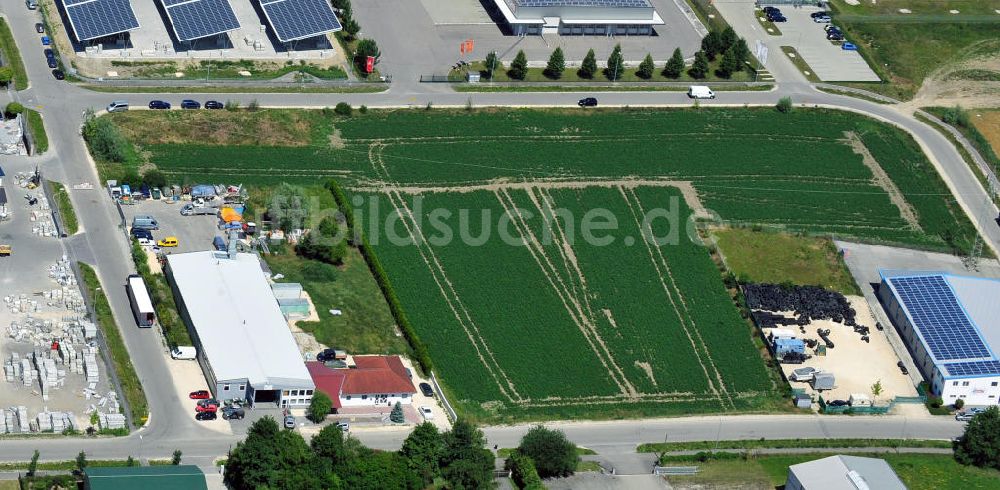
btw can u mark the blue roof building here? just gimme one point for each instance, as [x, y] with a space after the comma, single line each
[949, 323]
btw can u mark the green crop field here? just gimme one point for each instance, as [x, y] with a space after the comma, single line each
[558, 326]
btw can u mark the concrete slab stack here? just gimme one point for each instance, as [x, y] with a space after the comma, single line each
[90, 365]
[111, 420]
[23, 423]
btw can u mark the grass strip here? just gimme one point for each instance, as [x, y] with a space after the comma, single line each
[65, 208]
[484, 87]
[505, 452]
[856, 95]
[769, 27]
[708, 15]
[129, 380]
[11, 56]
[37, 128]
[160, 293]
[230, 89]
[800, 63]
[980, 176]
[62, 465]
[969, 130]
[659, 447]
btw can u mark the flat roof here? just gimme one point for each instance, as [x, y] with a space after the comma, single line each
[162, 477]
[584, 3]
[847, 473]
[955, 318]
[242, 331]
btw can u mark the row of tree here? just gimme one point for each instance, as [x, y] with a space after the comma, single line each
[733, 49]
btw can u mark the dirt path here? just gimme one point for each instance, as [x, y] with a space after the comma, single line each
[881, 179]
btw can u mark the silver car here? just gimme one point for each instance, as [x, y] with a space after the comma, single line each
[289, 422]
[964, 416]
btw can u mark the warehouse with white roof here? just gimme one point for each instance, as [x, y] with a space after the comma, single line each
[244, 345]
[580, 17]
[951, 326]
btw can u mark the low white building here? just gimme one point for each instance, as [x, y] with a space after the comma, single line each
[373, 381]
[843, 473]
[580, 17]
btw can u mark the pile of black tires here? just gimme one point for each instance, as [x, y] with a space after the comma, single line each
[807, 302]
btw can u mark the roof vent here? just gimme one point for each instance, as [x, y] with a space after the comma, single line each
[858, 481]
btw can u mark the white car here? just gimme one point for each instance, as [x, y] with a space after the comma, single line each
[426, 412]
[822, 20]
[804, 374]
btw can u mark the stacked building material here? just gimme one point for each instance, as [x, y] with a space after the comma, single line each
[111, 420]
[90, 365]
[23, 422]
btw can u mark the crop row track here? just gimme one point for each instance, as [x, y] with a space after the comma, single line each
[445, 286]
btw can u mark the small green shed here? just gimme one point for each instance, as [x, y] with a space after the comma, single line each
[166, 477]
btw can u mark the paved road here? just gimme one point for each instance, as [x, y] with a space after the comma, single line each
[170, 427]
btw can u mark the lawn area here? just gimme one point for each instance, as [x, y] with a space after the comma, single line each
[987, 121]
[65, 208]
[37, 128]
[366, 326]
[12, 56]
[774, 257]
[131, 386]
[658, 447]
[918, 471]
[906, 48]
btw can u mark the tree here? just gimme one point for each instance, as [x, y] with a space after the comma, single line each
[176, 460]
[319, 407]
[557, 64]
[380, 471]
[396, 416]
[81, 460]
[6, 75]
[589, 66]
[465, 462]
[154, 178]
[784, 105]
[518, 67]
[980, 445]
[366, 48]
[491, 65]
[552, 453]
[877, 389]
[711, 44]
[33, 465]
[646, 68]
[423, 449]
[675, 65]
[729, 64]
[700, 67]
[130, 461]
[727, 39]
[13, 109]
[329, 444]
[523, 472]
[616, 64]
[275, 458]
[742, 53]
[351, 28]
[959, 403]
[343, 109]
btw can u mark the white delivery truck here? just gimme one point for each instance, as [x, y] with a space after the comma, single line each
[700, 92]
[142, 305]
[184, 352]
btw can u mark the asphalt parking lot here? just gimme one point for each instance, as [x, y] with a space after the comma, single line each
[827, 59]
[194, 233]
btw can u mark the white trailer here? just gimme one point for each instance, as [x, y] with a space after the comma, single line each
[142, 305]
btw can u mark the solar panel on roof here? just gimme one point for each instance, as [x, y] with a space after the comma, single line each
[293, 20]
[195, 19]
[939, 317]
[975, 368]
[92, 19]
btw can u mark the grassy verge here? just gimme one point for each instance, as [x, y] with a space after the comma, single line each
[628, 75]
[505, 452]
[65, 208]
[848, 93]
[231, 89]
[226, 70]
[485, 87]
[62, 465]
[11, 56]
[708, 15]
[37, 128]
[980, 176]
[800, 63]
[131, 386]
[769, 27]
[774, 257]
[170, 321]
[961, 120]
[659, 447]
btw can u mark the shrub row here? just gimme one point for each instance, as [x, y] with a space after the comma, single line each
[174, 330]
[381, 278]
[523, 472]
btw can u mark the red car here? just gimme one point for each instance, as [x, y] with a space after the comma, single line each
[206, 408]
[200, 395]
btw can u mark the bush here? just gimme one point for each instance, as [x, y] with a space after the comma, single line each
[396, 416]
[363, 109]
[552, 454]
[319, 407]
[253, 106]
[523, 472]
[959, 403]
[956, 116]
[232, 105]
[107, 142]
[154, 178]
[343, 109]
[980, 444]
[13, 109]
[784, 105]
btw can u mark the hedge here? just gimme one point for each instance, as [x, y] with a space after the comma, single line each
[523, 472]
[381, 278]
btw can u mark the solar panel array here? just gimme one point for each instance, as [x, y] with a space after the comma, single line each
[293, 20]
[938, 316]
[195, 19]
[92, 19]
[975, 368]
[585, 3]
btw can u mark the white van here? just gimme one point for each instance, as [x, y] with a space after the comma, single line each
[118, 106]
[184, 353]
[700, 92]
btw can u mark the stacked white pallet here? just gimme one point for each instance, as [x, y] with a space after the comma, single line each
[27, 374]
[8, 419]
[44, 420]
[90, 366]
[3, 422]
[111, 420]
[22, 418]
[89, 329]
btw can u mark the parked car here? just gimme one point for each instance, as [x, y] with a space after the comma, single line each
[118, 106]
[159, 104]
[821, 13]
[964, 416]
[190, 104]
[40, 28]
[776, 16]
[207, 402]
[824, 19]
[46, 41]
[326, 355]
[976, 411]
[206, 416]
[426, 389]
[170, 241]
[426, 412]
[52, 63]
[200, 395]
[834, 36]
[206, 408]
[769, 9]
[142, 233]
[32, 4]
[214, 104]
[849, 47]
[837, 403]
[804, 374]
[902, 367]
[59, 74]
[49, 53]
[344, 426]
[289, 422]
[830, 27]
[233, 413]
[587, 102]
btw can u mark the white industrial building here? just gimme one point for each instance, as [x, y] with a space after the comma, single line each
[580, 17]
[244, 344]
[949, 323]
[843, 473]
